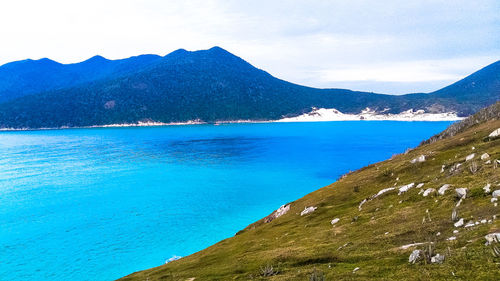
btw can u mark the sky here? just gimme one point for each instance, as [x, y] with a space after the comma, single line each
[385, 46]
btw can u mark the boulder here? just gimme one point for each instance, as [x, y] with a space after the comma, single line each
[308, 210]
[494, 134]
[492, 238]
[459, 223]
[419, 159]
[487, 189]
[428, 191]
[496, 193]
[420, 185]
[485, 156]
[437, 259]
[278, 213]
[461, 192]
[470, 157]
[405, 188]
[443, 189]
[334, 221]
[173, 258]
[415, 256]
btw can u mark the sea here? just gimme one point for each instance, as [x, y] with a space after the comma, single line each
[101, 203]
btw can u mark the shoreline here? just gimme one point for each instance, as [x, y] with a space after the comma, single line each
[317, 115]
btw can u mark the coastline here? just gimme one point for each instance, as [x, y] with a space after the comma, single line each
[317, 115]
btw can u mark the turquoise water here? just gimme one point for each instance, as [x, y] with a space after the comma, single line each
[97, 204]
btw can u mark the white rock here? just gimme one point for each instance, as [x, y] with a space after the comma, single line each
[461, 192]
[361, 204]
[405, 188]
[354, 270]
[487, 162]
[485, 156]
[334, 221]
[495, 133]
[470, 224]
[496, 193]
[484, 221]
[173, 258]
[459, 223]
[420, 185]
[470, 157]
[443, 189]
[473, 148]
[452, 238]
[455, 231]
[492, 238]
[437, 259]
[386, 233]
[308, 210]
[438, 234]
[442, 168]
[428, 191]
[382, 192]
[415, 256]
[487, 189]
[494, 199]
[421, 158]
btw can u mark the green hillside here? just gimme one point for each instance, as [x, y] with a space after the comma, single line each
[368, 241]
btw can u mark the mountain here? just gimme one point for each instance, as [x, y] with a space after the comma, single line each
[26, 77]
[209, 85]
[434, 203]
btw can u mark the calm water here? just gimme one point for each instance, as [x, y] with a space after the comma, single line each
[97, 204]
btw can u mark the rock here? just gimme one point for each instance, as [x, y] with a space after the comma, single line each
[361, 204]
[459, 223]
[487, 189]
[485, 156]
[421, 158]
[461, 192]
[438, 234]
[415, 256]
[443, 189]
[494, 199]
[382, 192]
[173, 258]
[484, 221]
[428, 191]
[278, 213]
[469, 224]
[405, 188]
[452, 238]
[487, 162]
[334, 221]
[455, 231]
[354, 270]
[437, 259]
[308, 210]
[470, 157]
[496, 193]
[494, 134]
[442, 168]
[420, 185]
[492, 238]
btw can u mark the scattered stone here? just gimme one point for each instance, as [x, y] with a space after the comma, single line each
[494, 199]
[485, 156]
[415, 256]
[345, 245]
[437, 259]
[487, 162]
[487, 189]
[484, 221]
[443, 189]
[473, 148]
[438, 234]
[405, 188]
[452, 238]
[308, 210]
[278, 213]
[470, 157]
[459, 223]
[382, 192]
[494, 134]
[334, 221]
[492, 238]
[442, 168]
[461, 192]
[428, 191]
[470, 224]
[419, 159]
[496, 193]
[361, 204]
[354, 270]
[404, 247]
[420, 185]
[455, 231]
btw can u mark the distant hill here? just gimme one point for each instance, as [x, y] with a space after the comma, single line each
[25, 77]
[210, 85]
[368, 225]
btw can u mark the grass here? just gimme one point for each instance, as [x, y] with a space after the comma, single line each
[294, 247]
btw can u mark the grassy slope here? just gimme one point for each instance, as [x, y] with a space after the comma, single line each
[298, 245]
